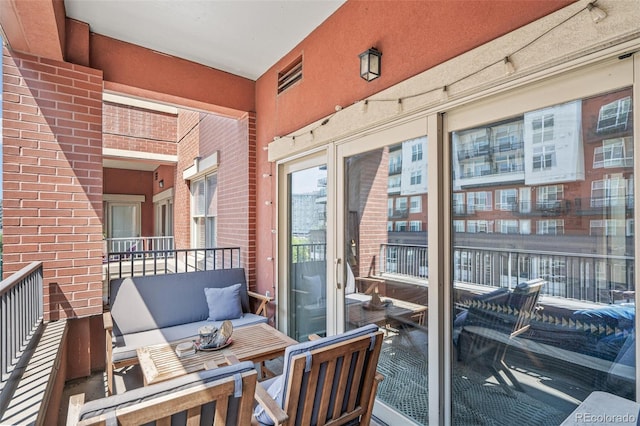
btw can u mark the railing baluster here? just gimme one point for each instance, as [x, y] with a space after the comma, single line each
[20, 315]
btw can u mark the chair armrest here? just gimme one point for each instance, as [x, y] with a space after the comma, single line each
[271, 407]
[264, 301]
[107, 321]
[75, 404]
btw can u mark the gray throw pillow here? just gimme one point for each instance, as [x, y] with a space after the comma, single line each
[224, 303]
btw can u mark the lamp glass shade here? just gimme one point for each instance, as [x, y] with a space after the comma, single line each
[370, 64]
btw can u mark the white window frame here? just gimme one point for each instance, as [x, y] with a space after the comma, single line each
[416, 152]
[210, 220]
[415, 203]
[550, 227]
[544, 133]
[507, 199]
[608, 192]
[618, 109]
[401, 226]
[415, 225]
[416, 177]
[548, 194]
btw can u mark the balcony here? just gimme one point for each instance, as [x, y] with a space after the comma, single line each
[403, 272]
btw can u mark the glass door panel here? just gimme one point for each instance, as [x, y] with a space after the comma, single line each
[386, 270]
[307, 263]
[124, 227]
[543, 277]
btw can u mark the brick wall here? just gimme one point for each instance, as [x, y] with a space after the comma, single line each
[52, 132]
[137, 129]
[371, 172]
[236, 182]
[188, 149]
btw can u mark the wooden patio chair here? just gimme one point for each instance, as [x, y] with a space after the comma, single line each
[327, 381]
[490, 327]
[222, 396]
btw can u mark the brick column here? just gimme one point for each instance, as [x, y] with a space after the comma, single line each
[52, 132]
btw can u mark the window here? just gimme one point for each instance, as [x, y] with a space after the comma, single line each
[542, 128]
[401, 204]
[389, 226]
[544, 158]
[390, 207]
[506, 199]
[204, 211]
[614, 153]
[458, 203]
[401, 226]
[549, 196]
[416, 177]
[609, 227]
[395, 162]
[416, 152]
[415, 226]
[458, 226]
[550, 227]
[479, 201]
[507, 226]
[613, 116]
[608, 192]
[477, 226]
[416, 205]
[394, 183]
[629, 230]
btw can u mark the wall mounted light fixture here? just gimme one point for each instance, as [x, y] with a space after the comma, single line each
[370, 61]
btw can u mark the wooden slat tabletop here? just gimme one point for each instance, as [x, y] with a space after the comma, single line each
[257, 343]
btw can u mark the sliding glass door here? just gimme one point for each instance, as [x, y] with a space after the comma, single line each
[382, 236]
[543, 260]
[306, 250]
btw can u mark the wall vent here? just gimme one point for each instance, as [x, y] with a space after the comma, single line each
[290, 75]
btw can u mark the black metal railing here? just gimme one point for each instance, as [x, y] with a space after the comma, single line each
[587, 277]
[21, 314]
[309, 252]
[153, 262]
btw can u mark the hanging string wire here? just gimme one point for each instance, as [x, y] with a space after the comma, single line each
[445, 88]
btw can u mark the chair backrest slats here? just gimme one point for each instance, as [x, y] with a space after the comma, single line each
[338, 385]
[325, 399]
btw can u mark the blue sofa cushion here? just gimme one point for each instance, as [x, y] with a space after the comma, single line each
[621, 316]
[224, 303]
[159, 301]
[135, 396]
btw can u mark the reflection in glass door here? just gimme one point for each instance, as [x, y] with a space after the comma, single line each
[543, 276]
[307, 242]
[385, 221]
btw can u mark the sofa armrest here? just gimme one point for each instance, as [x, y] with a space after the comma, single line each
[107, 321]
[75, 404]
[108, 342]
[271, 407]
[264, 301]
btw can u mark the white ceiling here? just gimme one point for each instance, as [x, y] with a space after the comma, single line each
[243, 37]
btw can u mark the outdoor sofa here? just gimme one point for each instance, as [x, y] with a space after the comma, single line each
[155, 309]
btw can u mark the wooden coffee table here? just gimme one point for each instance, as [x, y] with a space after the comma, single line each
[257, 343]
